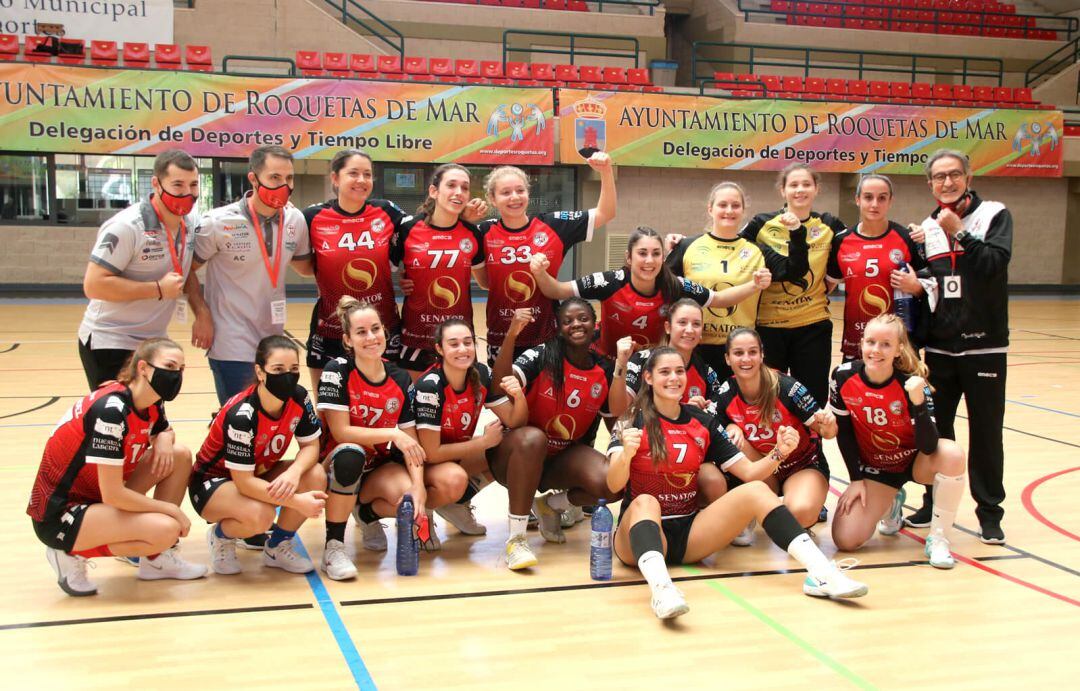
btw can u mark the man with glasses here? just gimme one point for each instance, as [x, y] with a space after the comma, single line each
[968, 244]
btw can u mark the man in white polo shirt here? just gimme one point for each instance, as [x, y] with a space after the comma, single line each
[246, 246]
[136, 272]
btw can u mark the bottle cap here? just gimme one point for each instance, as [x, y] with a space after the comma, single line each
[601, 502]
[406, 498]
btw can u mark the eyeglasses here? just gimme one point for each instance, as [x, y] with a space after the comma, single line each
[952, 175]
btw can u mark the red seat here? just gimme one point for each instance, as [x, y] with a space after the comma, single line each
[9, 46]
[554, 4]
[772, 83]
[879, 90]
[922, 91]
[814, 85]
[1003, 94]
[900, 91]
[567, 73]
[542, 71]
[491, 69]
[136, 54]
[836, 87]
[389, 64]
[1022, 95]
[858, 88]
[984, 94]
[614, 75]
[416, 65]
[441, 67]
[590, 73]
[103, 53]
[467, 68]
[792, 84]
[577, 6]
[198, 58]
[363, 65]
[724, 76]
[31, 46]
[943, 92]
[963, 92]
[638, 75]
[74, 51]
[517, 70]
[309, 63]
[167, 56]
[336, 64]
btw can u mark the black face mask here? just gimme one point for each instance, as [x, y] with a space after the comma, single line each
[282, 385]
[166, 382]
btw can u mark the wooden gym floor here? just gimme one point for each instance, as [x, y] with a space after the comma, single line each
[1007, 616]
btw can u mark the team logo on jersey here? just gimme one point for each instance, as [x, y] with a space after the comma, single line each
[590, 127]
[377, 225]
[293, 424]
[466, 245]
[744, 254]
[427, 398]
[897, 257]
[722, 312]
[884, 441]
[392, 405]
[517, 117]
[596, 390]
[108, 243]
[777, 417]
[238, 436]
[109, 429]
[443, 292]
[520, 286]
[562, 427]
[679, 480]
[693, 391]
[331, 378]
[540, 240]
[895, 407]
[359, 274]
[874, 300]
[245, 410]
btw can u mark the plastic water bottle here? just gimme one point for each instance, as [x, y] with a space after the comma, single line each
[904, 304]
[600, 543]
[408, 549]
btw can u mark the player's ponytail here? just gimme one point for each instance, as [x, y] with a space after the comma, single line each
[428, 207]
[669, 284]
[145, 352]
[553, 354]
[644, 405]
[472, 375]
[768, 380]
[906, 360]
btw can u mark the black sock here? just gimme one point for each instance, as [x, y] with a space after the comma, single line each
[645, 537]
[335, 531]
[470, 492]
[367, 514]
[781, 526]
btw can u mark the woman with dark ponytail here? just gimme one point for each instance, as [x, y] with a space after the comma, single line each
[659, 445]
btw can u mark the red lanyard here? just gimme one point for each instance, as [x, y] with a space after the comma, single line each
[271, 271]
[183, 237]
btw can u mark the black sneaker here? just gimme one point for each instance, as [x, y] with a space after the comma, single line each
[255, 542]
[991, 533]
[920, 519]
[588, 510]
[823, 515]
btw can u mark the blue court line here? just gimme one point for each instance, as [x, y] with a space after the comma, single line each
[345, 643]
[1039, 407]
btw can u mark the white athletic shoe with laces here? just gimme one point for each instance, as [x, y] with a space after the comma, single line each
[518, 553]
[374, 536]
[668, 602]
[572, 516]
[746, 537]
[285, 556]
[893, 520]
[336, 563]
[71, 573]
[461, 516]
[938, 551]
[836, 584]
[222, 553]
[169, 564]
[549, 520]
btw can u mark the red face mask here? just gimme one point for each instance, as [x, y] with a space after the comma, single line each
[954, 206]
[274, 197]
[178, 205]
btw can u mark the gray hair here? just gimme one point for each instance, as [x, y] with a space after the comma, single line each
[949, 153]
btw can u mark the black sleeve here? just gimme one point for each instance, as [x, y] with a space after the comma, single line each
[834, 223]
[750, 230]
[633, 370]
[600, 285]
[426, 396]
[572, 227]
[396, 213]
[832, 268]
[334, 386]
[527, 366]
[798, 399]
[238, 431]
[793, 267]
[990, 256]
[406, 418]
[695, 291]
[675, 259]
[106, 427]
[608, 367]
[479, 257]
[311, 212]
[492, 397]
[918, 261]
[397, 242]
[162, 422]
[721, 451]
[726, 393]
[926, 431]
[308, 427]
[849, 448]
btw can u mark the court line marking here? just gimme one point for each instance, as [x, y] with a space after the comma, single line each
[46, 404]
[1029, 504]
[8, 350]
[1039, 407]
[787, 633]
[161, 615]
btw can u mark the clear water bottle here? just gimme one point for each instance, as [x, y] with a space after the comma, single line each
[600, 543]
[904, 304]
[408, 549]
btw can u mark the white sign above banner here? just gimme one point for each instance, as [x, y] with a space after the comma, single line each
[146, 21]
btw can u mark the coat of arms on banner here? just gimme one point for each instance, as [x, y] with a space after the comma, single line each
[590, 127]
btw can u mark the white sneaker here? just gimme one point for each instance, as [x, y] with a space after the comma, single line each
[549, 520]
[374, 536]
[285, 556]
[461, 517]
[71, 573]
[433, 544]
[893, 520]
[518, 553]
[746, 537]
[837, 584]
[169, 564]
[130, 561]
[668, 602]
[939, 553]
[572, 516]
[222, 553]
[336, 563]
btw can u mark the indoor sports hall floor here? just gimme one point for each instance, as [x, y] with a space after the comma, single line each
[1007, 616]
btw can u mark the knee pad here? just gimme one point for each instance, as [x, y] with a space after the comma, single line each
[346, 470]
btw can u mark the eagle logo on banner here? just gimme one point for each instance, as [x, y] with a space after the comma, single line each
[1037, 134]
[518, 118]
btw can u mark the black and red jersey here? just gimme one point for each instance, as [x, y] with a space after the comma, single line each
[694, 438]
[795, 408]
[352, 257]
[244, 437]
[437, 406]
[507, 252]
[626, 312]
[701, 379]
[373, 405]
[103, 428]
[439, 261]
[864, 264]
[573, 416]
[880, 414]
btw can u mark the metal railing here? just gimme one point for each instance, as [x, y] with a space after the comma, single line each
[894, 18]
[389, 35]
[572, 49]
[1053, 63]
[651, 4]
[754, 55]
[288, 62]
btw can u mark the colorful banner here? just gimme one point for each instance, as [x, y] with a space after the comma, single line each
[702, 132]
[109, 111]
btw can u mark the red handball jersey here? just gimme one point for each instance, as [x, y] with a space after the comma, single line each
[371, 405]
[103, 428]
[701, 380]
[439, 261]
[352, 257]
[438, 406]
[626, 312]
[864, 265]
[507, 253]
[879, 413]
[243, 437]
[694, 438]
[795, 407]
[573, 416]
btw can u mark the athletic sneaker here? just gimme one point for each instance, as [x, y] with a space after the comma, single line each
[893, 520]
[71, 573]
[572, 516]
[222, 553]
[921, 518]
[169, 564]
[130, 561]
[336, 563]
[746, 537]
[823, 515]
[518, 553]
[937, 550]
[461, 517]
[433, 543]
[374, 536]
[550, 520]
[990, 533]
[285, 556]
[668, 602]
[836, 585]
[255, 542]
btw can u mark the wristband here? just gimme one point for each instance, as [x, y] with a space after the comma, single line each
[160, 295]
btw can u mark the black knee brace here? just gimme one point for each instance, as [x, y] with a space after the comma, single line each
[346, 469]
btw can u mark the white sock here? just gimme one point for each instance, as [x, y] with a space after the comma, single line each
[559, 501]
[654, 569]
[807, 553]
[948, 491]
[518, 525]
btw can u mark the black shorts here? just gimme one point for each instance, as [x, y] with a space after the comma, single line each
[815, 460]
[894, 479]
[201, 488]
[416, 359]
[713, 355]
[103, 364]
[321, 349]
[677, 532]
[493, 352]
[60, 531]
